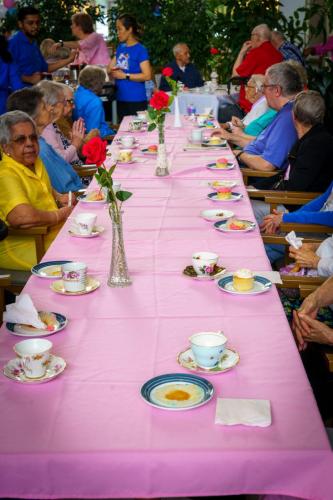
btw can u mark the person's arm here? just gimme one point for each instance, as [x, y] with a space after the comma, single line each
[61, 63]
[255, 162]
[306, 217]
[144, 76]
[14, 78]
[24, 216]
[241, 55]
[32, 79]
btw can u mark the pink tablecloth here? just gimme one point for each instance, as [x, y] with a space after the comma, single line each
[88, 433]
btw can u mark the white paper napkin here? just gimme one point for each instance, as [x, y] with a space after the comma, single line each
[256, 412]
[273, 276]
[23, 311]
[293, 240]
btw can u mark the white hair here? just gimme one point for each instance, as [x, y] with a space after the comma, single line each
[178, 47]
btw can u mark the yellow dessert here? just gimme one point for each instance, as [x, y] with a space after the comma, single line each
[222, 163]
[214, 140]
[224, 193]
[95, 196]
[243, 280]
[237, 225]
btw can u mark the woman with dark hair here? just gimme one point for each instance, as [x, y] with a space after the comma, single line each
[9, 77]
[130, 68]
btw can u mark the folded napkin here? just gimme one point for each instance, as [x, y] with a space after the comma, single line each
[273, 276]
[293, 240]
[256, 412]
[23, 312]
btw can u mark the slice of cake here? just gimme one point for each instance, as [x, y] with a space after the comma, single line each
[222, 163]
[237, 225]
[224, 193]
[214, 140]
[243, 280]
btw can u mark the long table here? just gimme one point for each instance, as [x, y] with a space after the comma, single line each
[88, 433]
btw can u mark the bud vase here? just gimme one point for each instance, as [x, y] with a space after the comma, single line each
[177, 121]
[118, 276]
[214, 80]
[162, 160]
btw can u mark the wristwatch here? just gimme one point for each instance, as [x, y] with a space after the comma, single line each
[128, 76]
[61, 43]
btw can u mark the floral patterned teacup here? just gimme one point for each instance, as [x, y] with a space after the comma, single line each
[204, 262]
[84, 223]
[74, 276]
[34, 355]
[207, 348]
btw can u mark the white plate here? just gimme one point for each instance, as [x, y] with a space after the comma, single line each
[92, 284]
[213, 215]
[212, 166]
[224, 226]
[14, 371]
[50, 269]
[97, 230]
[125, 162]
[222, 183]
[84, 199]
[229, 359]
[208, 144]
[30, 331]
[261, 285]
[234, 197]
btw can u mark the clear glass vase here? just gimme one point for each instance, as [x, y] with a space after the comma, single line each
[118, 275]
[162, 160]
[177, 123]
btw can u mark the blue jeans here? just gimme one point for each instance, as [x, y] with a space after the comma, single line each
[275, 252]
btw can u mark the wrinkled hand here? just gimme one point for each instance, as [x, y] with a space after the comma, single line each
[72, 55]
[301, 328]
[246, 47]
[305, 257]
[297, 329]
[237, 130]
[54, 48]
[78, 131]
[271, 222]
[63, 200]
[317, 331]
[221, 133]
[237, 122]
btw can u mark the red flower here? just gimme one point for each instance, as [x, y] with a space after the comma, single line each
[95, 151]
[214, 51]
[159, 100]
[167, 71]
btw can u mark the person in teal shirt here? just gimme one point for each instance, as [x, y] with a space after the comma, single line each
[257, 126]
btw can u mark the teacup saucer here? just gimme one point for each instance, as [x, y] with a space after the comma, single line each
[129, 162]
[13, 370]
[191, 273]
[92, 284]
[97, 230]
[229, 359]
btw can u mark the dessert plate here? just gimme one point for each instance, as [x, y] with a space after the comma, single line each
[190, 272]
[222, 183]
[229, 359]
[125, 162]
[13, 370]
[227, 226]
[261, 285]
[177, 391]
[208, 144]
[145, 151]
[234, 197]
[97, 230]
[50, 269]
[92, 284]
[216, 215]
[213, 166]
[30, 331]
[87, 199]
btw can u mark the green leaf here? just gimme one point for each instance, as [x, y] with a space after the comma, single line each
[123, 195]
[151, 127]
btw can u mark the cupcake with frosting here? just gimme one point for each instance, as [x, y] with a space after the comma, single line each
[243, 280]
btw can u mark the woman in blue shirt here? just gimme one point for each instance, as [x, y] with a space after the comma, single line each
[130, 68]
[9, 77]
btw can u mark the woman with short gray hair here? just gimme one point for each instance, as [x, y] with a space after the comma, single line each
[88, 106]
[27, 198]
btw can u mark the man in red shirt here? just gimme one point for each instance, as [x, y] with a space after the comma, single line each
[255, 56]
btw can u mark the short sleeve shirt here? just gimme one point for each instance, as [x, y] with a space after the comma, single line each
[19, 185]
[256, 62]
[128, 59]
[275, 142]
[27, 56]
[93, 50]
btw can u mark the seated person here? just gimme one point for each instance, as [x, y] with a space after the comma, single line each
[317, 211]
[309, 159]
[316, 258]
[27, 198]
[30, 100]
[269, 151]
[288, 50]
[244, 131]
[183, 71]
[88, 105]
[9, 77]
[51, 133]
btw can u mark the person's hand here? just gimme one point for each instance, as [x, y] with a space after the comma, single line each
[62, 200]
[301, 328]
[221, 133]
[237, 122]
[118, 74]
[72, 55]
[317, 331]
[78, 131]
[64, 213]
[246, 47]
[271, 222]
[54, 48]
[304, 257]
[35, 78]
[237, 130]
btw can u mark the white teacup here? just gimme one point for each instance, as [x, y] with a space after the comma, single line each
[196, 135]
[74, 276]
[84, 223]
[127, 141]
[142, 115]
[125, 155]
[34, 355]
[136, 124]
[207, 348]
[204, 262]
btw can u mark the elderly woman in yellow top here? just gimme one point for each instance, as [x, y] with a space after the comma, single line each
[27, 198]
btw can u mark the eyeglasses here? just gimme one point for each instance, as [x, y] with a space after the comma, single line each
[70, 101]
[267, 85]
[23, 139]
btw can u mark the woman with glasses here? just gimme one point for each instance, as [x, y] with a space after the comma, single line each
[27, 197]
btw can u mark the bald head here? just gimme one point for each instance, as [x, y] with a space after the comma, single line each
[263, 32]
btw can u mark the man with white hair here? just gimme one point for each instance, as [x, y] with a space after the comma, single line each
[183, 71]
[255, 56]
[287, 49]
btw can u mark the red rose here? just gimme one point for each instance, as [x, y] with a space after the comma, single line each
[214, 51]
[95, 151]
[167, 71]
[159, 100]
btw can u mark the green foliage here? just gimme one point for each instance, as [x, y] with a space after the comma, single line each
[56, 16]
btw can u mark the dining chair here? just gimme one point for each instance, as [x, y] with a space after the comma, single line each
[249, 172]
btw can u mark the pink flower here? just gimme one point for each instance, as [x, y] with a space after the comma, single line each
[167, 71]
